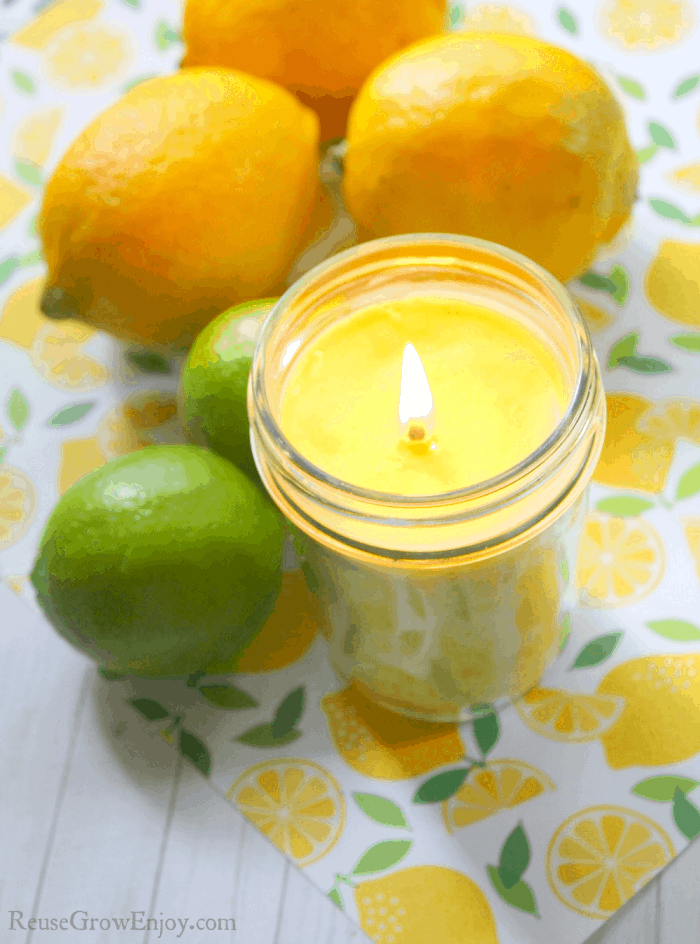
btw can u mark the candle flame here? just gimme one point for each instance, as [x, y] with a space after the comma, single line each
[415, 399]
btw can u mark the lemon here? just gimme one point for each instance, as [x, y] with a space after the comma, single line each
[296, 803]
[601, 856]
[660, 723]
[189, 194]
[214, 383]
[378, 743]
[672, 284]
[646, 25]
[568, 716]
[620, 561]
[160, 562]
[18, 503]
[494, 135]
[425, 903]
[501, 785]
[631, 458]
[321, 51]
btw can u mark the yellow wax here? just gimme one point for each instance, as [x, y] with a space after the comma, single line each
[498, 392]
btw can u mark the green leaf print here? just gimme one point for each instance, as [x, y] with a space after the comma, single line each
[645, 365]
[624, 506]
[381, 810]
[660, 135]
[686, 86]
[567, 20]
[227, 696]
[30, 173]
[519, 896]
[288, 713]
[689, 483]
[620, 284]
[195, 750]
[382, 856]
[441, 787]
[334, 896]
[7, 267]
[455, 16]
[23, 82]
[597, 651]
[71, 414]
[663, 789]
[150, 709]
[625, 347]
[165, 36]
[678, 630]
[646, 153]
[515, 858]
[31, 258]
[688, 342]
[669, 211]
[486, 730]
[686, 815]
[17, 409]
[262, 736]
[632, 87]
[565, 632]
[150, 362]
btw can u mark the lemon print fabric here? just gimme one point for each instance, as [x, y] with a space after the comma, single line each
[295, 803]
[646, 26]
[672, 283]
[620, 561]
[425, 903]
[383, 745]
[500, 785]
[570, 717]
[13, 199]
[691, 526]
[18, 502]
[600, 857]
[632, 457]
[87, 56]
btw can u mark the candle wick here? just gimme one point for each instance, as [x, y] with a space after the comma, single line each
[416, 432]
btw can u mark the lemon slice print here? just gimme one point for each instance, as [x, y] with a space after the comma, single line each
[674, 419]
[494, 17]
[18, 501]
[687, 178]
[12, 200]
[56, 354]
[295, 803]
[620, 561]
[569, 716]
[600, 857]
[35, 135]
[672, 284]
[501, 785]
[596, 318]
[382, 744]
[87, 56]
[646, 25]
[41, 30]
[692, 536]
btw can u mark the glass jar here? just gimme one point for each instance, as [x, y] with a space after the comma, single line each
[437, 605]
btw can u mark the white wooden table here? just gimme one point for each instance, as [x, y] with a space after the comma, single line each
[96, 817]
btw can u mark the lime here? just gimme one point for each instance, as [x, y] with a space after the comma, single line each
[214, 384]
[161, 562]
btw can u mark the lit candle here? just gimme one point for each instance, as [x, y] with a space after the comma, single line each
[443, 545]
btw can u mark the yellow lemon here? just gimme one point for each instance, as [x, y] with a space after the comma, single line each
[600, 857]
[646, 25]
[12, 200]
[425, 903]
[321, 51]
[692, 535]
[18, 502]
[631, 458]
[660, 723]
[620, 561]
[216, 182]
[501, 785]
[499, 19]
[568, 716]
[494, 135]
[286, 636]
[672, 282]
[295, 803]
[35, 135]
[687, 178]
[54, 18]
[672, 420]
[56, 353]
[384, 745]
[596, 318]
[77, 458]
[85, 57]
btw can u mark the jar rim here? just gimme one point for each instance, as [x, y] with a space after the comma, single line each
[584, 355]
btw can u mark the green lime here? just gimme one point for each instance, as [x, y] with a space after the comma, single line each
[214, 383]
[161, 562]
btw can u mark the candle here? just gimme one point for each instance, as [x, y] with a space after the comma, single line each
[428, 411]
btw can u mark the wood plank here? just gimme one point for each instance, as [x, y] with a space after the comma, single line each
[40, 700]
[635, 923]
[679, 907]
[309, 916]
[112, 817]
